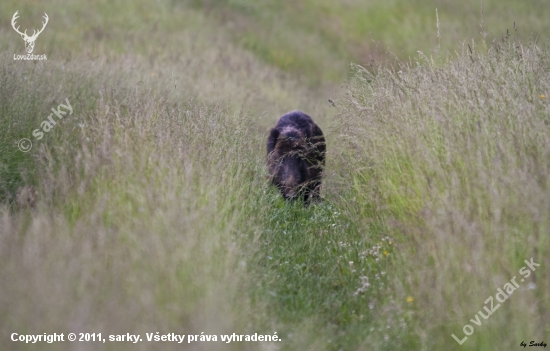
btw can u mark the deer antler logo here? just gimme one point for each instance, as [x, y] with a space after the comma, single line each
[29, 41]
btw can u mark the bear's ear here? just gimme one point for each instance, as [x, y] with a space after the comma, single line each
[272, 140]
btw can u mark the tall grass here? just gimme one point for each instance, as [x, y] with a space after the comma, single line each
[133, 229]
[160, 43]
[455, 153]
[154, 213]
[317, 39]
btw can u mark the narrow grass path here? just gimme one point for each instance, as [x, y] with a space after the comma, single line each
[323, 276]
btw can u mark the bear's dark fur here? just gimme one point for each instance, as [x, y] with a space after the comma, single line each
[296, 156]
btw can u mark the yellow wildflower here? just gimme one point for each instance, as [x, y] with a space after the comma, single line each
[541, 96]
[385, 253]
[410, 299]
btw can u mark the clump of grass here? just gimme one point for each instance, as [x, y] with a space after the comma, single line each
[27, 98]
[457, 162]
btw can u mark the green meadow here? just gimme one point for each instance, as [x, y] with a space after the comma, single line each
[147, 209]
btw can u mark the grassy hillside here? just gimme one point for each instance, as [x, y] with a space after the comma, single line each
[318, 38]
[152, 209]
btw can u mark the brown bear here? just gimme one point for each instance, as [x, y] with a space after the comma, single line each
[296, 156]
